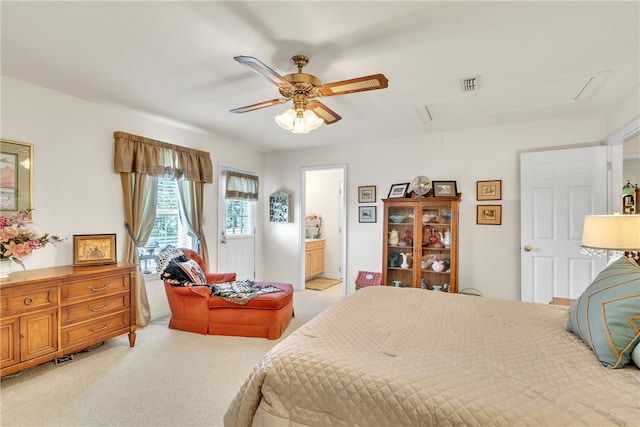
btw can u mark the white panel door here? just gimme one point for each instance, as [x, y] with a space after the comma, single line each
[558, 188]
[236, 239]
[237, 254]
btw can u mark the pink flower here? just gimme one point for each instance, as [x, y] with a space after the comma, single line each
[17, 250]
[17, 240]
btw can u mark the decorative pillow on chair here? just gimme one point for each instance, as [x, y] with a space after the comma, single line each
[607, 315]
[191, 269]
[165, 256]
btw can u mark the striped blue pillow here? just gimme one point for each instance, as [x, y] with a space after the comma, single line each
[607, 314]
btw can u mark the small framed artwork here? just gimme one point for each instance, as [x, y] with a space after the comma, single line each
[398, 191]
[94, 249]
[489, 190]
[489, 215]
[444, 189]
[367, 194]
[367, 214]
[16, 186]
[279, 207]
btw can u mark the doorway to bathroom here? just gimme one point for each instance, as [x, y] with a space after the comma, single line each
[323, 225]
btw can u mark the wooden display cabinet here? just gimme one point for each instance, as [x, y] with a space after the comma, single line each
[425, 230]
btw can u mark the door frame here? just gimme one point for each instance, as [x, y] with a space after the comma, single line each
[343, 220]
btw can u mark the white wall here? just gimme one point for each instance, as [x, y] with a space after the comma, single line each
[76, 190]
[489, 255]
[631, 172]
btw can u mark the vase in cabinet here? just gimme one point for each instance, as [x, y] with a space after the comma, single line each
[432, 223]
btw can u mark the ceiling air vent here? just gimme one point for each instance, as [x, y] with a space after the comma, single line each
[471, 84]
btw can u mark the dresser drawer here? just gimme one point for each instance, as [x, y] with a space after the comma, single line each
[93, 308]
[30, 300]
[94, 288]
[94, 331]
[314, 246]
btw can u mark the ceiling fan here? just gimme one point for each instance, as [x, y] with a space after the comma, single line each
[304, 88]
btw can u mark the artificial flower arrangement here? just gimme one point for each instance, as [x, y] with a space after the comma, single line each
[18, 240]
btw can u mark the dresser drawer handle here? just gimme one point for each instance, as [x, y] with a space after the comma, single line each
[106, 325]
[106, 285]
[92, 308]
[28, 301]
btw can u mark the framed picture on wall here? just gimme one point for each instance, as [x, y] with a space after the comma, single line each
[489, 190]
[367, 214]
[16, 186]
[367, 194]
[489, 214]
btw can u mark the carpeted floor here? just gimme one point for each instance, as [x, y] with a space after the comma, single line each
[170, 378]
[321, 283]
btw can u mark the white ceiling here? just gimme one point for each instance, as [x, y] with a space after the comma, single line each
[174, 60]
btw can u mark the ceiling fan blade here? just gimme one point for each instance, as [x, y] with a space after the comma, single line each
[262, 70]
[325, 113]
[360, 84]
[259, 105]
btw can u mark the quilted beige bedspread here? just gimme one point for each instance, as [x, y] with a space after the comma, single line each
[389, 356]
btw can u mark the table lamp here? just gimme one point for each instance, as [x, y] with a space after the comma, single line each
[604, 233]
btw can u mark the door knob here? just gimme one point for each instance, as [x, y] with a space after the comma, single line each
[527, 248]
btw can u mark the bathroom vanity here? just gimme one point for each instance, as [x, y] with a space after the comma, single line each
[314, 257]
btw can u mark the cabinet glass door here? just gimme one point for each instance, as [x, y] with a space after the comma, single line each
[400, 245]
[437, 233]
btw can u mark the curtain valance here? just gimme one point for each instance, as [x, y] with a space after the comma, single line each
[241, 186]
[137, 154]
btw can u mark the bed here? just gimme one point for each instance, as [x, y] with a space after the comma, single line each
[387, 356]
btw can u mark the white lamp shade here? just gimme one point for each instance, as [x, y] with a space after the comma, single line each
[611, 232]
[290, 121]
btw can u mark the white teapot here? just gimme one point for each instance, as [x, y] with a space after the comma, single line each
[437, 265]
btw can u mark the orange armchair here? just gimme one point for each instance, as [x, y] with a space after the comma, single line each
[194, 310]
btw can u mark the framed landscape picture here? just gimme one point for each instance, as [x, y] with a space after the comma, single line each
[367, 214]
[444, 189]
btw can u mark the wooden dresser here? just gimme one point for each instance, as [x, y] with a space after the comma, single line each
[50, 312]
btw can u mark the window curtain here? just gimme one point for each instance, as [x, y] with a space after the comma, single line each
[241, 186]
[191, 214]
[140, 199]
[139, 160]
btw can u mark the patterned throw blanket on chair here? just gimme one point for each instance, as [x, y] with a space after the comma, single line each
[241, 291]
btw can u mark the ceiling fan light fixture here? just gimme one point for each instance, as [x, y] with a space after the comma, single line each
[298, 123]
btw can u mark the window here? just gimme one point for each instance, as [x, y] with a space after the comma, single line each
[239, 218]
[167, 229]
